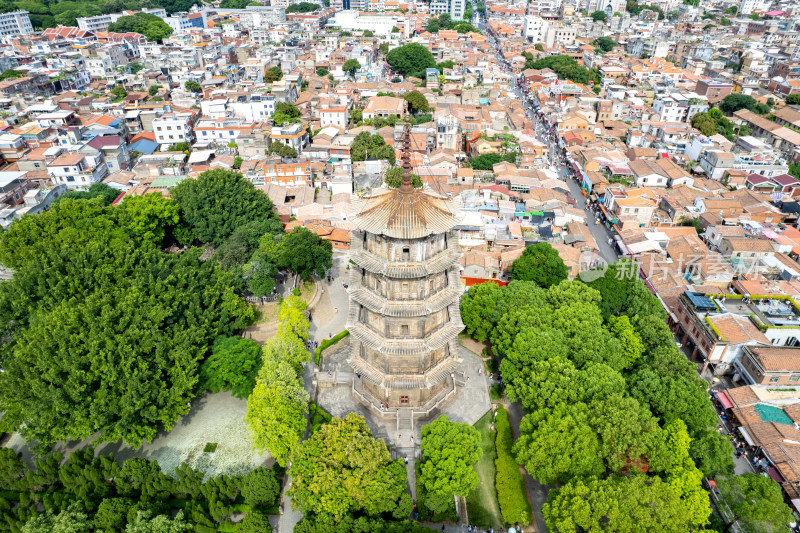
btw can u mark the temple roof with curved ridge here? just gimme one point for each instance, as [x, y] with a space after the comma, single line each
[406, 214]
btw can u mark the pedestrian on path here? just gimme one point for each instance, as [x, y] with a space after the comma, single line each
[329, 376]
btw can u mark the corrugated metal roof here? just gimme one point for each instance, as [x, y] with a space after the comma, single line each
[406, 214]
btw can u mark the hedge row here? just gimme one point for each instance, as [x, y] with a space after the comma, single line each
[509, 483]
[329, 342]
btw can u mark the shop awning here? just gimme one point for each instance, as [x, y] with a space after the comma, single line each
[775, 475]
[723, 399]
[746, 436]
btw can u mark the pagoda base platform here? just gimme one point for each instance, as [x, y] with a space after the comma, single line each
[465, 398]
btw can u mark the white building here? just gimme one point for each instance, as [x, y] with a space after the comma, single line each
[253, 108]
[173, 128]
[15, 23]
[748, 6]
[454, 7]
[535, 29]
[379, 24]
[677, 107]
[95, 24]
[609, 6]
[75, 169]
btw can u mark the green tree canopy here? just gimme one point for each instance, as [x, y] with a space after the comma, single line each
[218, 202]
[394, 178]
[615, 504]
[450, 450]
[606, 44]
[540, 263]
[736, 101]
[410, 59]
[793, 99]
[342, 469]
[366, 146]
[11, 74]
[283, 150]
[276, 410]
[351, 66]
[192, 86]
[273, 74]
[566, 68]
[478, 309]
[233, 365]
[558, 444]
[416, 101]
[305, 253]
[599, 16]
[149, 217]
[151, 26]
[122, 349]
[755, 501]
[303, 7]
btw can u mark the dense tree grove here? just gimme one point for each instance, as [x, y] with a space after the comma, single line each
[342, 470]
[106, 330]
[616, 412]
[566, 68]
[278, 405]
[151, 26]
[394, 178]
[88, 493]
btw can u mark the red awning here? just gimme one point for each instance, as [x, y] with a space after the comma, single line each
[723, 399]
[775, 475]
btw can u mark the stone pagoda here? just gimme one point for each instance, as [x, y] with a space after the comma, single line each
[404, 294]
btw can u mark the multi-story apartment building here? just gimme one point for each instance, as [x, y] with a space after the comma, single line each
[252, 108]
[15, 23]
[677, 107]
[455, 8]
[772, 366]
[713, 90]
[95, 24]
[293, 134]
[173, 128]
[609, 6]
[222, 130]
[76, 169]
[747, 7]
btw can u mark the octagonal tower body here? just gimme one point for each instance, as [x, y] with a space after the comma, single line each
[405, 285]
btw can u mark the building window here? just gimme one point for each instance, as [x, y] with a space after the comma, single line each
[403, 399]
[404, 330]
[794, 377]
[774, 379]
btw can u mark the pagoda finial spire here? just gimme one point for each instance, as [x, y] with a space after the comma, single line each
[406, 187]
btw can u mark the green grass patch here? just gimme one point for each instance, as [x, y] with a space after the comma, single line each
[329, 342]
[425, 514]
[509, 482]
[211, 447]
[318, 417]
[482, 506]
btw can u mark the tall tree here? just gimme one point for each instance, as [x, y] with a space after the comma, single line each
[540, 263]
[478, 308]
[218, 202]
[416, 101]
[450, 451]
[410, 59]
[305, 253]
[627, 504]
[277, 409]
[233, 365]
[558, 444]
[351, 66]
[342, 469]
[756, 503]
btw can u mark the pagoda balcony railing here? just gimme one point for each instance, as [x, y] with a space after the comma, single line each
[405, 269]
[406, 308]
